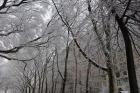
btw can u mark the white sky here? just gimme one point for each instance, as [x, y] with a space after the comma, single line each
[3, 61]
[1, 2]
[46, 17]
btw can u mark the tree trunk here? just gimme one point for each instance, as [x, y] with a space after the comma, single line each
[111, 80]
[65, 70]
[46, 84]
[42, 85]
[129, 55]
[76, 69]
[107, 54]
[52, 87]
[34, 86]
[87, 78]
[39, 85]
[5, 91]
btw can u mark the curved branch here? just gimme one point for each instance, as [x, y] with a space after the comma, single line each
[127, 7]
[78, 46]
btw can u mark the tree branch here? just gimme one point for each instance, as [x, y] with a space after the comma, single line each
[78, 46]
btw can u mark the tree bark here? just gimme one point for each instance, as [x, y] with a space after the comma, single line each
[129, 55]
[111, 79]
[46, 86]
[65, 70]
[34, 86]
[87, 78]
[76, 69]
